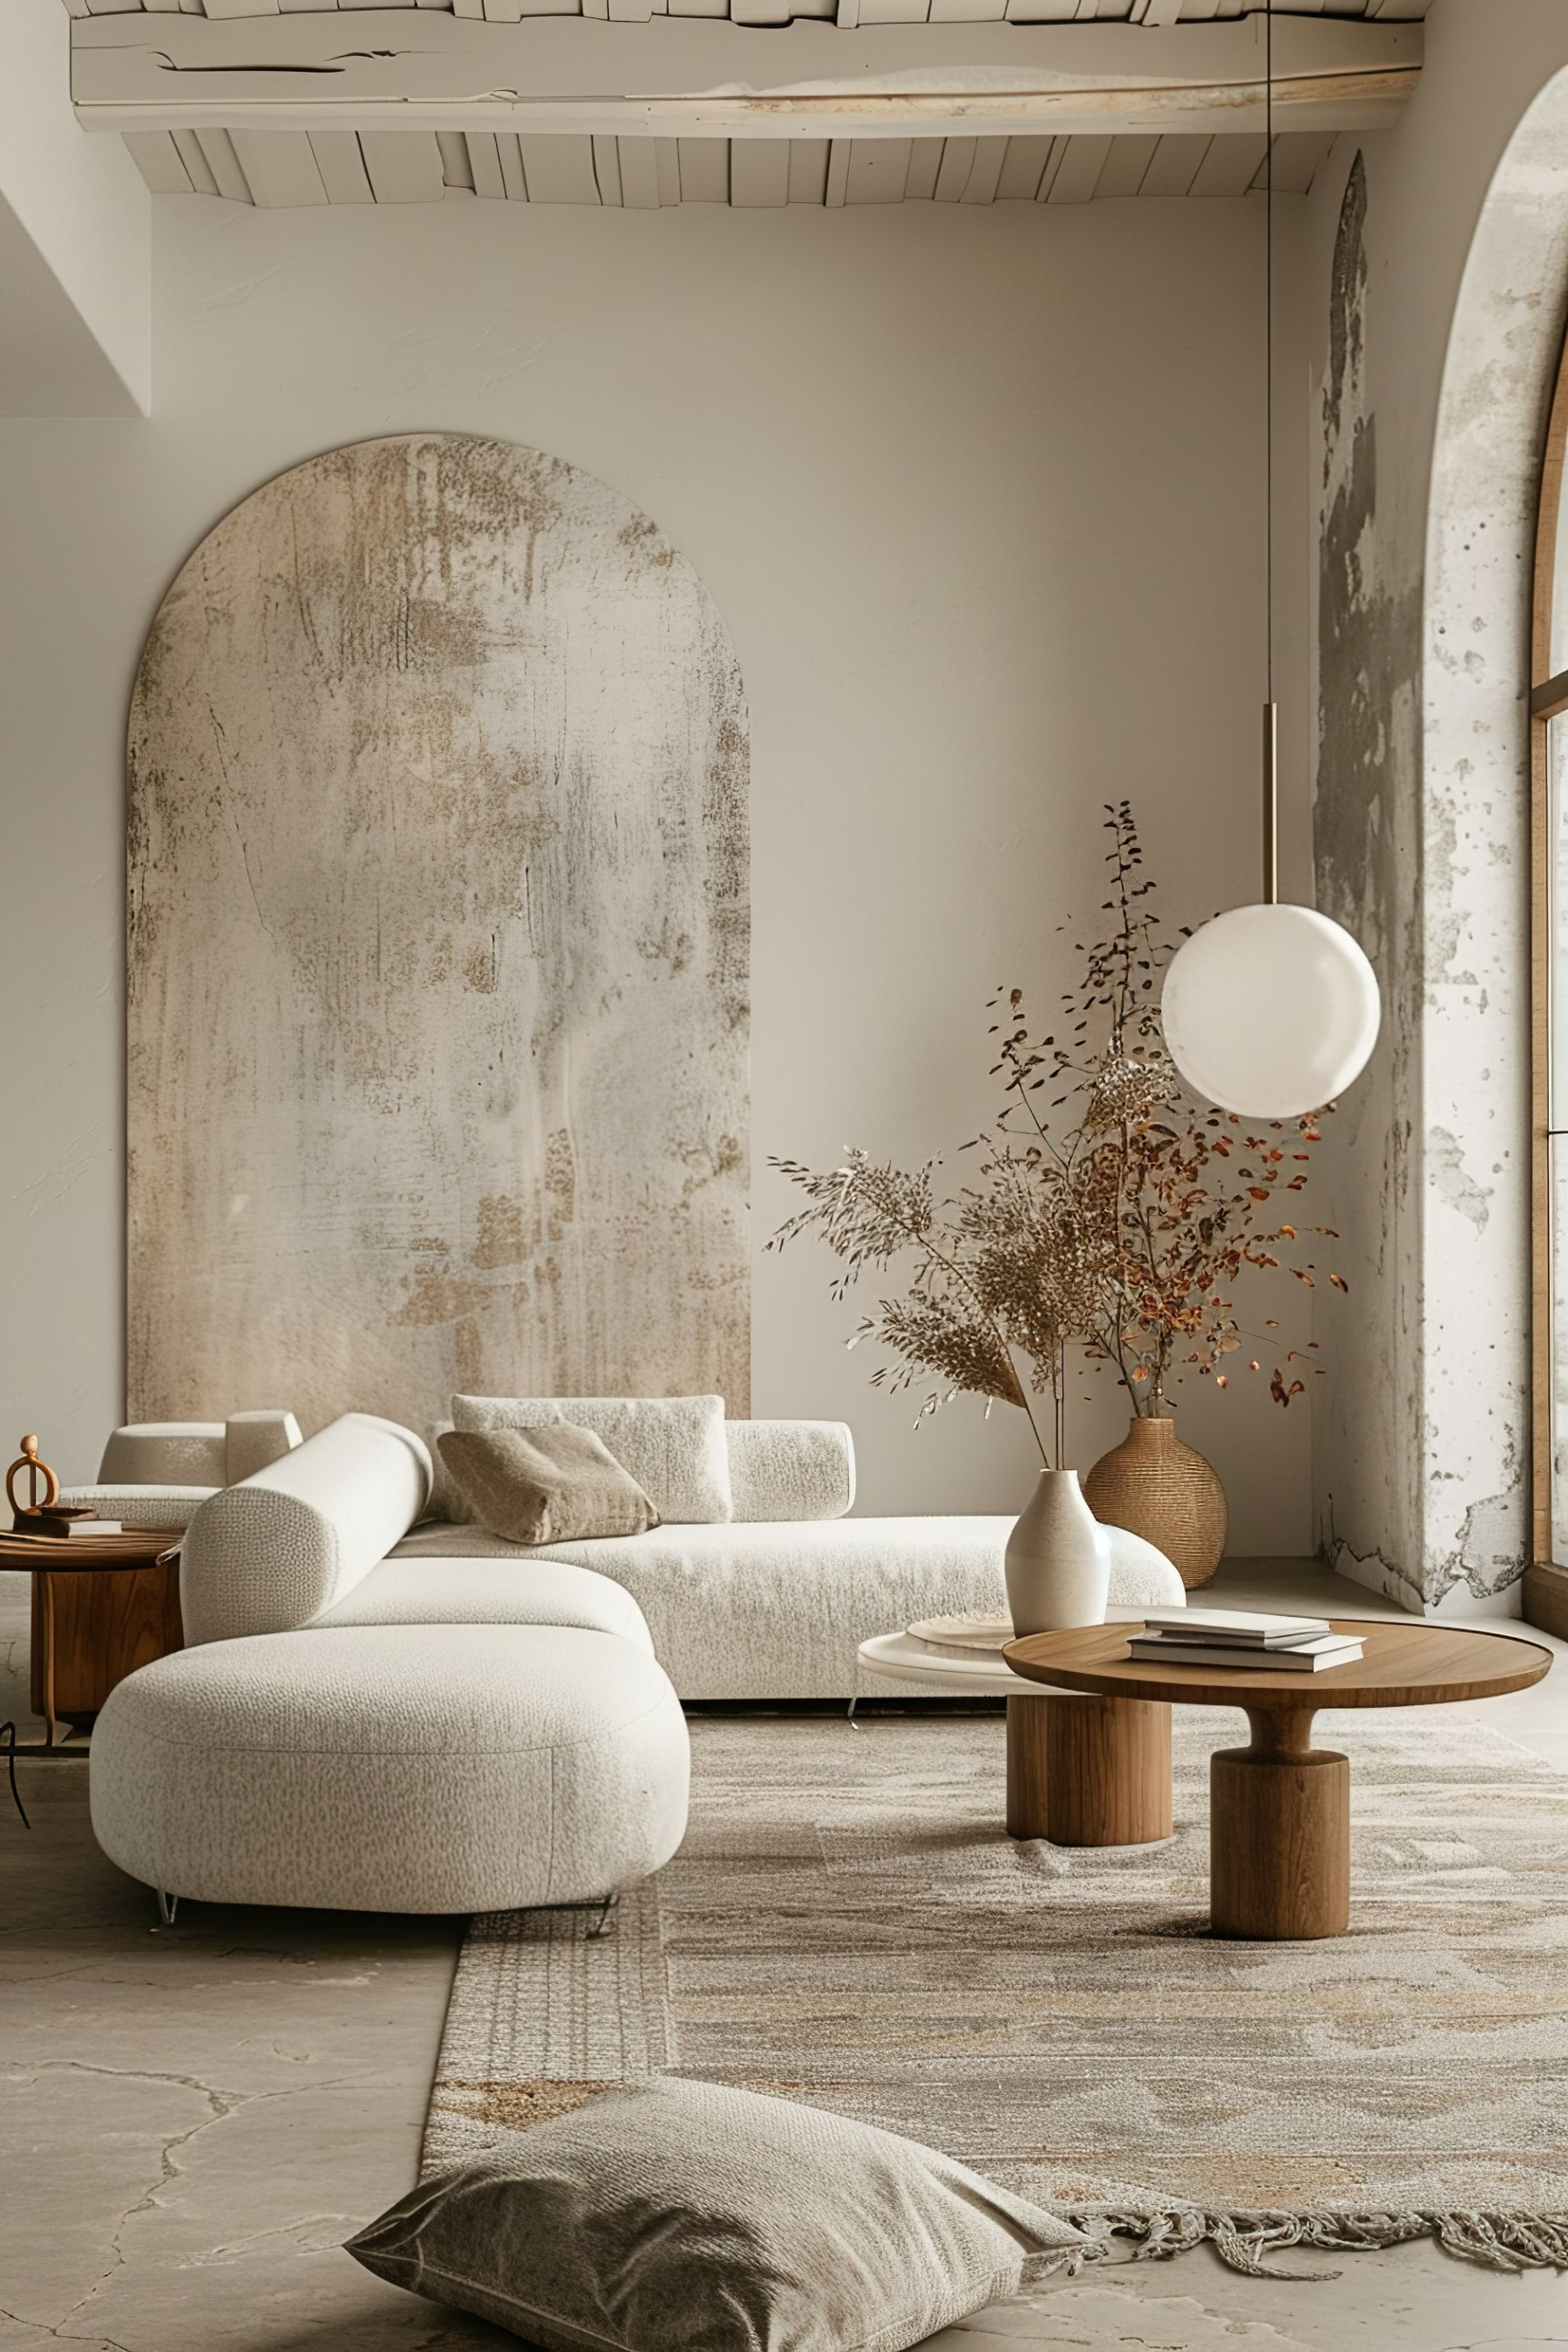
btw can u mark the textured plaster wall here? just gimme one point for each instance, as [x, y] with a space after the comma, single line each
[436, 1039]
[1440, 251]
[977, 494]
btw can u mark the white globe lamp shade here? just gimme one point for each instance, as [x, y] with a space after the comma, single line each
[1269, 1011]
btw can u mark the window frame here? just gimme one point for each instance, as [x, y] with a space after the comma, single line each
[1547, 700]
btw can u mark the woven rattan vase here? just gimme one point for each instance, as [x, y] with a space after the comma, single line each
[1165, 1492]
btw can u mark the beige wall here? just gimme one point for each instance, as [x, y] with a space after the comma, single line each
[978, 494]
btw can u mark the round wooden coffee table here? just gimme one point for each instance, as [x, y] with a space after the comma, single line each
[1280, 1809]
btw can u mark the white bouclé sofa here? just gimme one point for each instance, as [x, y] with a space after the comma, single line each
[383, 1709]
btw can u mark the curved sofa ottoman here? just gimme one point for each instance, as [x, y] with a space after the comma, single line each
[394, 1767]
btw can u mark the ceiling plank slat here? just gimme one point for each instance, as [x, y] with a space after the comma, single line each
[1081, 166]
[1174, 166]
[560, 170]
[808, 171]
[404, 165]
[280, 168]
[341, 166]
[878, 170]
[759, 172]
[455, 169]
[224, 165]
[957, 162]
[1024, 169]
[608, 172]
[1126, 166]
[705, 170]
[160, 163]
[485, 165]
[925, 164]
[196, 163]
[1230, 166]
[989, 156]
[639, 174]
[1297, 156]
[510, 157]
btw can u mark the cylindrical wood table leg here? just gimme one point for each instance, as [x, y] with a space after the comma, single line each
[1026, 1768]
[49, 1721]
[1087, 1771]
[1279, 1833]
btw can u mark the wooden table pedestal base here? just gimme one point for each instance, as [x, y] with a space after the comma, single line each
[1088, 1771]
[1279, 1833]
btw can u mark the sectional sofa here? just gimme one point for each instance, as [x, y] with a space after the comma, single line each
[378, 1708]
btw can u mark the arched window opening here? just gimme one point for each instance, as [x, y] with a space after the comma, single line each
[1549, 931]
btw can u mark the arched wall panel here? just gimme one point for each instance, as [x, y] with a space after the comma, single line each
[438, 949]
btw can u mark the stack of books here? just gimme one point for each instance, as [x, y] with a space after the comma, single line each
[61, 1520]
[1240, 1638]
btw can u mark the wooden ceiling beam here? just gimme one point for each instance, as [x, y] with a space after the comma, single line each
[417, 69]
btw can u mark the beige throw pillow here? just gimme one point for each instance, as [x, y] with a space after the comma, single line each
[555, 1485]
[691, 2217]
[673, 1446]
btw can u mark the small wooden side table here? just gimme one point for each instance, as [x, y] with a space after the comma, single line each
[1279, 1808]
[102, 1606]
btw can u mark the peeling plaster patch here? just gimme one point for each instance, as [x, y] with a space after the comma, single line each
[1444, 1160]
[1489, 1558]
[1365, 1419]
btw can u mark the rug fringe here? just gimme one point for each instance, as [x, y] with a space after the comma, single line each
[1512, 2242]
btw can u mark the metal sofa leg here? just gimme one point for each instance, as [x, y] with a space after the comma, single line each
[167, 1906]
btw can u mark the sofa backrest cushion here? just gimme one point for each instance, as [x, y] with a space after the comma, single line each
[673, 1446]
[273, 1553]
[255, 1441]
[198, 1453]
[165, 1454]
[791, 1470]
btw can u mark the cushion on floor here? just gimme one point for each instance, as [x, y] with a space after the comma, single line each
[679, 2216]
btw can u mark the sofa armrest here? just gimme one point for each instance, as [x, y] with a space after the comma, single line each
[142, 1505]
[791, 1470]
[272, 1554]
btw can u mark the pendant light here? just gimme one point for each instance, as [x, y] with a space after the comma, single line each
[1271, 1011]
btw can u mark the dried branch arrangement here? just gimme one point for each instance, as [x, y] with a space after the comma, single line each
[1112, 1216]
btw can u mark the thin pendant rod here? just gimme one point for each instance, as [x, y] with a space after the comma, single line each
[1271, 804]
[1270, 709]
[1269, 345]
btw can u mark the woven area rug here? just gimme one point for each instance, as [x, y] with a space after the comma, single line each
[848, 1924]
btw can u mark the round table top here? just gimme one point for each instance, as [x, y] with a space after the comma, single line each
[1401, 1666]
[137, 1547]
[905, 1658]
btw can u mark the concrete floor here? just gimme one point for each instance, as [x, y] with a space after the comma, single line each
[193, 2119]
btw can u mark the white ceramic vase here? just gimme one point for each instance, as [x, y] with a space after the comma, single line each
[1058, 1560]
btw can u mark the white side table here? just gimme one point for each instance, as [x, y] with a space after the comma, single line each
[1080, 1770]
